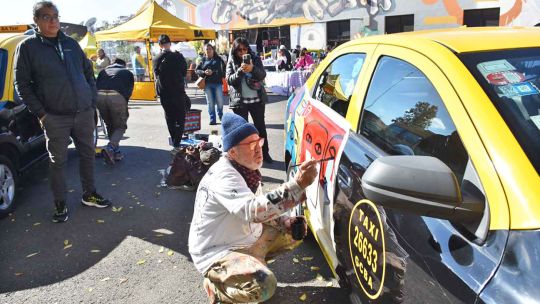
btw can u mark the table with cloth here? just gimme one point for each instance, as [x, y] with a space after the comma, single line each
[283, 83]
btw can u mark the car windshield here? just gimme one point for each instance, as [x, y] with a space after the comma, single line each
[512, 81]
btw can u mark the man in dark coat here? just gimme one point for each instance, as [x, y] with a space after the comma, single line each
[56, 80]
[170, 69]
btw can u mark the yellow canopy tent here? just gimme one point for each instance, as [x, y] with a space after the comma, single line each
[88, 44]
[146, 26]
[152, 22]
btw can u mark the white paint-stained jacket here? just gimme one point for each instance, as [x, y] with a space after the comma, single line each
[228, 216]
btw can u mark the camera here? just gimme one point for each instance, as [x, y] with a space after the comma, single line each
[246, 58]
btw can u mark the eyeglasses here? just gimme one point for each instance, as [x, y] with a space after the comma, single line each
[48, 18]
[243, 49]
[253, 144]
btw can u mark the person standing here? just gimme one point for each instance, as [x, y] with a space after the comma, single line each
[245, 75]
[235, 226]
[102, 61]
[138, 64]
[287, 54]
[56, 81]
[305, 61]
[296, 53]
[170, 70]
[212, 68]
[115, 86]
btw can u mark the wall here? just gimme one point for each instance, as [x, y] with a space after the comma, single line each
[367, 16]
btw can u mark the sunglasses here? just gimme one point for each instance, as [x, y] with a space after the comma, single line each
[48, 18]
[243, 49]
[253, 144]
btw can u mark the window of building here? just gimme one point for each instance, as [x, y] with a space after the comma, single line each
[336, 84]
[398, 24]
[273, 37]
[338, 32]
[404, 115]
[481, 17]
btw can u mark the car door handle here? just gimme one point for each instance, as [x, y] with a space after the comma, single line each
[345, 180]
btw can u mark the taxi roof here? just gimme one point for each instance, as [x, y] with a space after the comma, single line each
[465, 39]
[10, 40]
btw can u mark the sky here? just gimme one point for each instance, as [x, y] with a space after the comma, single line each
[72, 11]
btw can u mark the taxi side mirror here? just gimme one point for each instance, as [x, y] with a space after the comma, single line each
[423, 185]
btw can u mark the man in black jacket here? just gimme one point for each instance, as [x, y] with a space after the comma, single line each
[55, 79]
[170, 69]
[115, 86]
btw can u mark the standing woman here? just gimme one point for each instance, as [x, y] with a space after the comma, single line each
[212, 68]
[245, 75]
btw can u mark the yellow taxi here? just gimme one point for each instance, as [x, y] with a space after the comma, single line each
[22, 142]
[429, 191]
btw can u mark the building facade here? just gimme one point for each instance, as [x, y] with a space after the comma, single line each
[338, 21]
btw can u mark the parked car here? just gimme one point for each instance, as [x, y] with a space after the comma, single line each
[432, 191]
[22, 142]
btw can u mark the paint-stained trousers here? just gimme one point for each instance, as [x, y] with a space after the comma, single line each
[243, 276]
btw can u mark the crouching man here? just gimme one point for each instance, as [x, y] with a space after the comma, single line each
[235, 226]
[115, 86]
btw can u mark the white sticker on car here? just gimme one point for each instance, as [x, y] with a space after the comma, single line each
[490, 67]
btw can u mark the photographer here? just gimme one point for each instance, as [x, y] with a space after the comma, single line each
[212, 68]
[235, 226]
[245, 75]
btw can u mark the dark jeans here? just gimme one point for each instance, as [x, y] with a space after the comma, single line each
[174, 106]
[58, 129]
[257, 115]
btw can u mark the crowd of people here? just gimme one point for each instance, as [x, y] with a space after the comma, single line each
[297, 59]
[235, 227]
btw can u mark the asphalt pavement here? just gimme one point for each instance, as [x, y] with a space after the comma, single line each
[135, 252]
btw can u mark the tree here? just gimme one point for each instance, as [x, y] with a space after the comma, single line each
[419, 116]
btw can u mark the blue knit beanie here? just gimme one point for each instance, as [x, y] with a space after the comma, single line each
[235, 129]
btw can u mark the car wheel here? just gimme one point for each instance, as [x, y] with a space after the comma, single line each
[8, 179]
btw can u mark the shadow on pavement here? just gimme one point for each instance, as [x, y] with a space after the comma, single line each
[37, 252]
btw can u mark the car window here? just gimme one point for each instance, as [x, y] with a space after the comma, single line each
[511, 79]
[404, 115]
[3, 68]
[336, 84]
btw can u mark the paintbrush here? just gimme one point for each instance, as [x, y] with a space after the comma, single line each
[318, 161]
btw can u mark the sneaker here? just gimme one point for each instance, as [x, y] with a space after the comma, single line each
[108, 155]
[213, 123]
[175, 150]
[95, 200]
[60, 213]
[118, 156]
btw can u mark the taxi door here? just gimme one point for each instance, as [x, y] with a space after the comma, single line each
[317, 118]
[401, 255]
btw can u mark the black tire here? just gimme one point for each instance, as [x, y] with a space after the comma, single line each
[8, 186]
